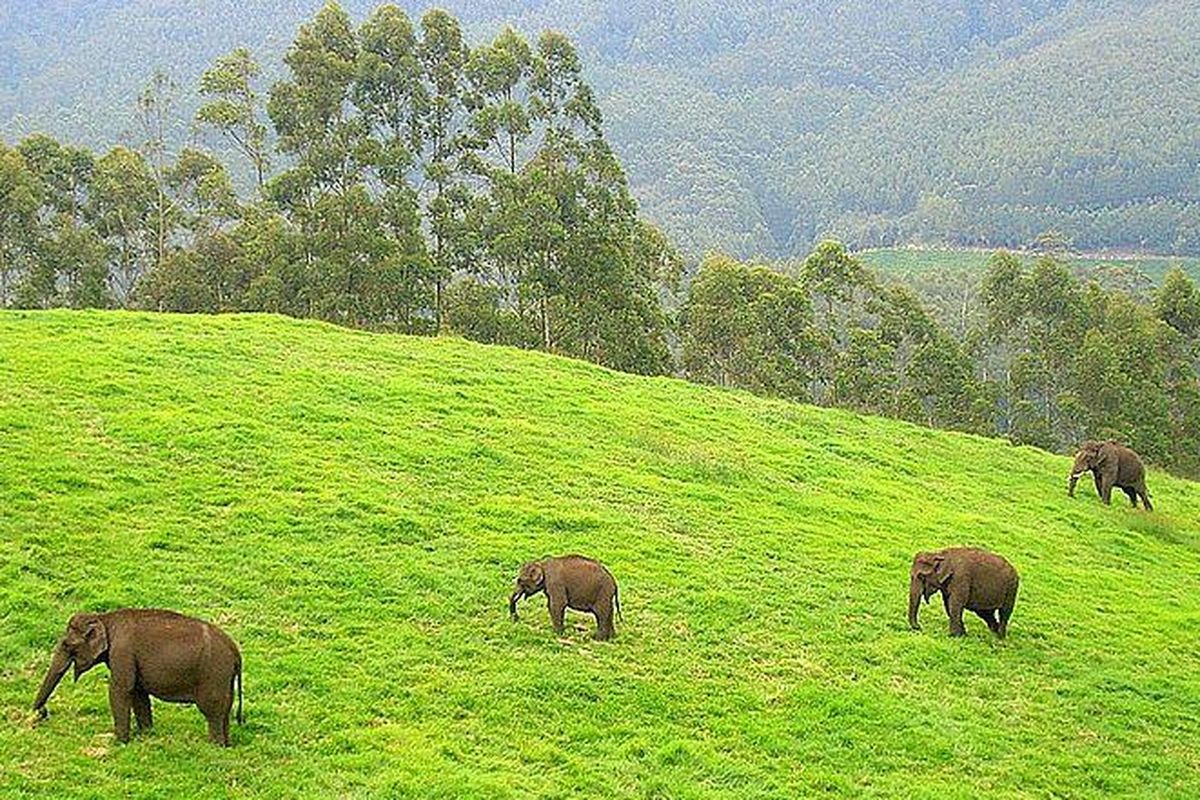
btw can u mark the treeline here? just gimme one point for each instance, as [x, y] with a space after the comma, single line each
[404, 181]
[1044, 359]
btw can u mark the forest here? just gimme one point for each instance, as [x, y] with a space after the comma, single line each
[403, 180]
[759, 128]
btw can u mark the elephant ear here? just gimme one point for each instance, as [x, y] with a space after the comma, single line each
[95, 645]
[922, 565]
[942, 571]
[532, 574]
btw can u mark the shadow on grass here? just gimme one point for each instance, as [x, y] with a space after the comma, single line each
[1164, 529]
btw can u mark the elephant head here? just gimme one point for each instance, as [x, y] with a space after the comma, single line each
[85, 645]
[530, 580]
[930, 572]
[1089, 457]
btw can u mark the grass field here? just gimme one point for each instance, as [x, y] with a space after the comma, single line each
[352, 508]
[905, 262]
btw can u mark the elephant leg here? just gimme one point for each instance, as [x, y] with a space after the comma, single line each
[603, 610]
[955, 611]
[556, 601]
[120, 700]
[216, 712]
[989, 617]
[141, 709]
[1145, 497]
[218, 730]
[1106, 493]
[214, 699]
[1131, 494]
[1004, 613]
[1099, 484]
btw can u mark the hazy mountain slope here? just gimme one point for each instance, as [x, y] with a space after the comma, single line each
[758, 126]
[1085, 115]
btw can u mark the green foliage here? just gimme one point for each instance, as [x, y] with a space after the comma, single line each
[1178, 303]
[749, 327]
[234, 107]
[353, 508]
[1071, 362]
[1035, 355]
[410, 160]
[834, 336]
[20, 197]
[122, 201]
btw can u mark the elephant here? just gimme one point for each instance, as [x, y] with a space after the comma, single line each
[1111, 464]
[152, 652]
[968, 578]
[571, 581]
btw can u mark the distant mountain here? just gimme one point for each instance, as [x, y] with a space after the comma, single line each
[756, 127]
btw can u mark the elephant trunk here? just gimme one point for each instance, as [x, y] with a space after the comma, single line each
[517, 594]
[58, 668]
[914, 602]
[1074, 479]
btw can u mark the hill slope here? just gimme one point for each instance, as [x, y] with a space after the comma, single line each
[352, 509]
[757, 126]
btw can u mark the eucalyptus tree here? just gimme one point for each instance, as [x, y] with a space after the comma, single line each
[442, 54]
[391, 96]
[123, 207]
[71, 261]
[234, 108]
[20, 199]
[323, 190]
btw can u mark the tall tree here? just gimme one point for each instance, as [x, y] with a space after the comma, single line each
[748, 327]
[392, 99]
[443, 56]
[499, 75]
[122, 206]
[235, 107]
[155, 113]
[1177, 303]
[322, 192]
[72, 266]
[20, 199]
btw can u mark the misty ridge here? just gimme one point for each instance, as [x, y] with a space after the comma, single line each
[759, 128]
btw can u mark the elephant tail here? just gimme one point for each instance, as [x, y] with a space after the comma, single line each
[617, 601]
[238, 677]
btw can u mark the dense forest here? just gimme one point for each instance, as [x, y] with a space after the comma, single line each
[760, 128]
[401, 180]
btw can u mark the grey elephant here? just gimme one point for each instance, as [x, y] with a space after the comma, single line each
[969, 579]
[151, 652]
[1111, 464]
[572, 581]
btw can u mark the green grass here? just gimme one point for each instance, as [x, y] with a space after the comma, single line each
[352, 508]
[909, 262]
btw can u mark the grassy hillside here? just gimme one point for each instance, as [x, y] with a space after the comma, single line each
[910, 262]
[352, 508]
